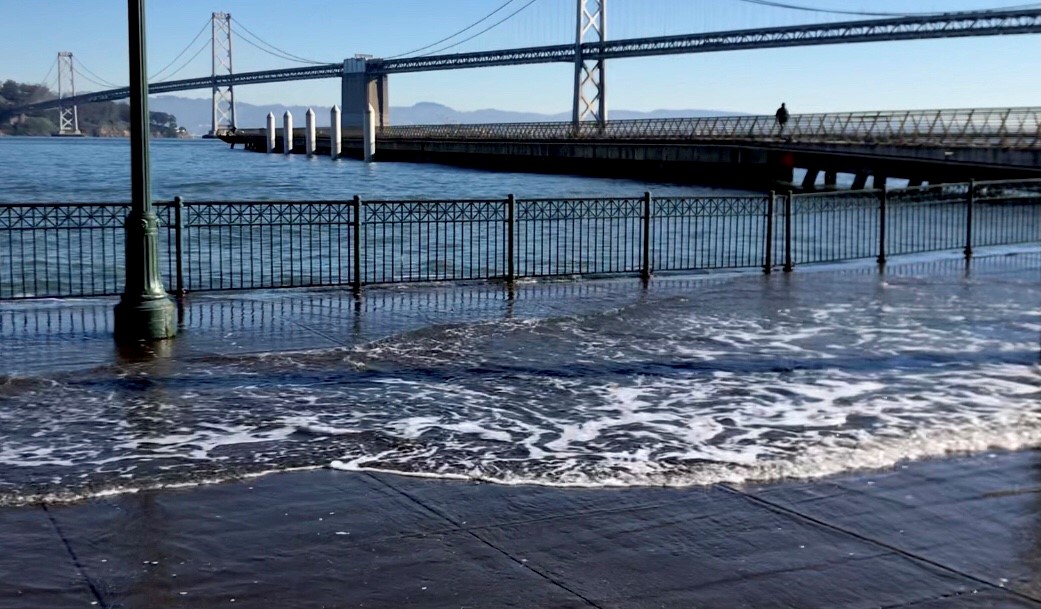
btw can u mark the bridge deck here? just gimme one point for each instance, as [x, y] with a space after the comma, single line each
[920, 27]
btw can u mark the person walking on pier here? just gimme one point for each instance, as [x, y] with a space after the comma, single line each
[782, 117]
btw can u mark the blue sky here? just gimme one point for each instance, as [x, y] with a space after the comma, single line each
[973, 72]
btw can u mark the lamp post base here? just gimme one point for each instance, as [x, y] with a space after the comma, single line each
[145, 319]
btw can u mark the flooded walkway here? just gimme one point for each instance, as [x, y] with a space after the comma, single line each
[816, 388]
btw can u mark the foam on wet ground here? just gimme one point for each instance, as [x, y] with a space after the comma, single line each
[746, 378]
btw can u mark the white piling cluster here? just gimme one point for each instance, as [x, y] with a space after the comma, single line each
[311, 133]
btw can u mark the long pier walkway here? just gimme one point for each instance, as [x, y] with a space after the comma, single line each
[922, 146]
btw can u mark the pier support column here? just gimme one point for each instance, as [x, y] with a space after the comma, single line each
[144, 311]
[859, 181]
[369, 136]
[335, 132]
[382, 102]
[310, 133]
[810, 181]
[287, 133]
[270, 132]
[783, 166]
[830, 179]
[359, 91]
[878, 182]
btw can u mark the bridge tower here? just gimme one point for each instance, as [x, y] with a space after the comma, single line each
[68, 115]
[223, 97]
[590, 84]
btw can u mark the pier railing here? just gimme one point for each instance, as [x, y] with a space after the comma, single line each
[992, 127]
[77, 249]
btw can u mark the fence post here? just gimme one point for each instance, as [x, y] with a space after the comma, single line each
[969, 204]
[511, 205]
[883, 203]
[179, 244]
[788, 233]
[768, 259]
[357, 243]
[645, 263]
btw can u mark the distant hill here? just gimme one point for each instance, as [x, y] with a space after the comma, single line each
[102, 119]
[195, 114]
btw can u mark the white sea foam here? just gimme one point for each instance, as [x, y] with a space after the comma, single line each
[805, 436]
[668, 391]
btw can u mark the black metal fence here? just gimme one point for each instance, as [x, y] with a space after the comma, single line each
[77, 249]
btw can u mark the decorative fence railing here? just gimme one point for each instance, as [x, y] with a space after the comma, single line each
[992, 127]
[77, 249]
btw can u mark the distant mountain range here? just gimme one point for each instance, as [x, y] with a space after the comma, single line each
[195, 114]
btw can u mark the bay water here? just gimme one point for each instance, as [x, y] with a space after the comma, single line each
[98, 170]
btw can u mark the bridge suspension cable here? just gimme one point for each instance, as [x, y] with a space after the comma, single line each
[101, 82]
[454, 34]
[184, 65]
[835, 11]
[47, 77]
[155, 75]
[485, 30]
[271, 49]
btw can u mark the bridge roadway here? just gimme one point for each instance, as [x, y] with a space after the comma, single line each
[933, 146]
[945, 25]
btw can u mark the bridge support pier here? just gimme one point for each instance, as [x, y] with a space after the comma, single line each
[915, 182]
[879, 182]
[359, 92]
[830, 179]
[859, 181]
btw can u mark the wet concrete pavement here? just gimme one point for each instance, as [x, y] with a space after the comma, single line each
[963, 532]
[958, 532]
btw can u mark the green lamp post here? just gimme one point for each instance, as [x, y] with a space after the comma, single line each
[144, 311]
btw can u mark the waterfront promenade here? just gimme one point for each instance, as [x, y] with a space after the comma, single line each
[961, 531]
[949, 533]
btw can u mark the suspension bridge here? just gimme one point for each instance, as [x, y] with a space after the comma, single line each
[992, 143]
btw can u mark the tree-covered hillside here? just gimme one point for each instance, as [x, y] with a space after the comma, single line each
[103, 119]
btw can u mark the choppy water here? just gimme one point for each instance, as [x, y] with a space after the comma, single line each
[91, 169]
[691, 382]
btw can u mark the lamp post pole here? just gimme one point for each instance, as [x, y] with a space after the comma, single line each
[144, 311]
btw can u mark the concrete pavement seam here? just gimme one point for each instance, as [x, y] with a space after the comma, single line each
[906, 554]
[75, 559]
[913, 604]
[337, 342]
[511, 557]
[530, 521]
